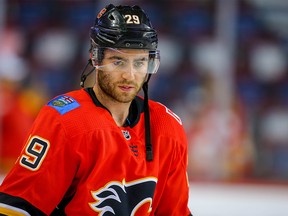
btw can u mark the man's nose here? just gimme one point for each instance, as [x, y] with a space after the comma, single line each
[129, 72]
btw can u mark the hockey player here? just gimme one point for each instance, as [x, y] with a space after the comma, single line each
[105, 150]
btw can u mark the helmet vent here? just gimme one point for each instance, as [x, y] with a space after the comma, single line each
[111, 17]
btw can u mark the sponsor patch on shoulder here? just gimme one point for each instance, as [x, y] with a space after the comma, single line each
[63, 104]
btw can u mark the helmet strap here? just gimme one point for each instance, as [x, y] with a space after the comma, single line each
[148, 144]
[83, 75]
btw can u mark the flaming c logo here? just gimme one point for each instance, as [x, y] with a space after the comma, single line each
[125, 198]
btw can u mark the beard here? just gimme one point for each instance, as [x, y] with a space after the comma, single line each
[111, 89]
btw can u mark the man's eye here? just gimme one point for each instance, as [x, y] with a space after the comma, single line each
[118, 63]
[139, 64]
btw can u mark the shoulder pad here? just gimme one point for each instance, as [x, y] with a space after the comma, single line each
[63, 104]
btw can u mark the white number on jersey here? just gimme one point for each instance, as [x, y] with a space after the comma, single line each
[170, 112]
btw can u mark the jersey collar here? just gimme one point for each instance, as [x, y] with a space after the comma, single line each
[135, 110]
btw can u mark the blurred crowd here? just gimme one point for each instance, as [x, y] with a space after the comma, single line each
[223, 73]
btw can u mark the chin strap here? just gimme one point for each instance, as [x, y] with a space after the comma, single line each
[148, 144]
[83, 75]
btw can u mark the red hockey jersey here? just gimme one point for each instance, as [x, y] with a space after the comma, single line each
[78, 160]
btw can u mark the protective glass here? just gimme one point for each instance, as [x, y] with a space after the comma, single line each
[125, 60]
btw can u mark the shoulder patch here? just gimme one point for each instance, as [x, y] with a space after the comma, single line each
[63, 104]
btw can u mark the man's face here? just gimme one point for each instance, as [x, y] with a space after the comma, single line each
[122, 73]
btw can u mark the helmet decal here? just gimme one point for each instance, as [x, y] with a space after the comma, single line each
[132, 19]
[101, 13]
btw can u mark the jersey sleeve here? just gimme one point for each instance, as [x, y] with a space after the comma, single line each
[44, 170]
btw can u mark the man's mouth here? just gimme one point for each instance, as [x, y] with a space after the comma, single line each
[126, 88]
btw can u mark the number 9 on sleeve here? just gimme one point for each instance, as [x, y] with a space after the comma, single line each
[35, 152]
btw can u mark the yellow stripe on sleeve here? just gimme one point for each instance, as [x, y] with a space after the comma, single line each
[12, 211]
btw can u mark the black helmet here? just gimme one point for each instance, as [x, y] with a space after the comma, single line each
[123, 27]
